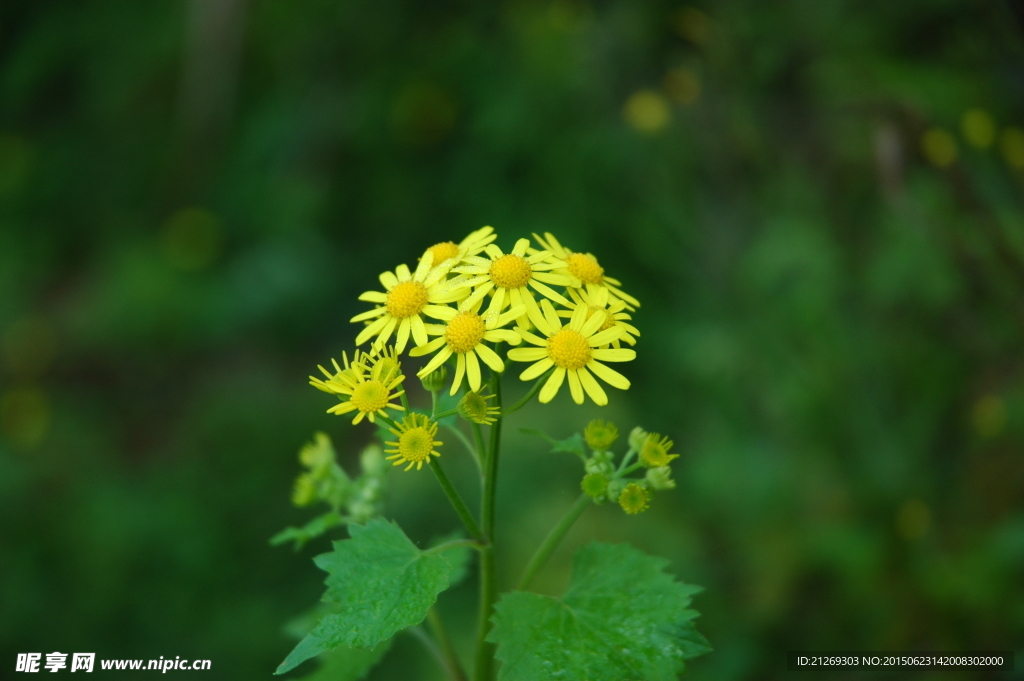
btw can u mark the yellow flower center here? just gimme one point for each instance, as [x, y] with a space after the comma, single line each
[585, 268]
[406, 299]
[443, 251]
[569, 349]
[370, 396]
[464, 331]
[511, 271]
[415, 444]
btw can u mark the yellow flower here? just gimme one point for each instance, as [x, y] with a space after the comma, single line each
[655, 451]
[471, 245]
[614, 309]
[368, 388]
[416, 433]
[405, 298]
[633, 499]
[464, 336]
[584, 266]
[511, 276]
[573, 350]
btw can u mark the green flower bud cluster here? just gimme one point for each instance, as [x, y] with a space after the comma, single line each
[604, 481]
[325, 481]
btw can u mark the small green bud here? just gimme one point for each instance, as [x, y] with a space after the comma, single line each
[601, 463]
[633, 498]
[372, 461]
[595, 485]
[637, 437]
[601, 435]
[360, 511]
[660, 478]
[304, 492]
[473, 407]
[435, 380]
[615, 487]
[318, 454]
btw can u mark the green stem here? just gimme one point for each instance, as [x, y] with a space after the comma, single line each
[446, 414]
[453, 665]
[488, 581]
[405, 401]
[457, 502]
[481, 452]
[528, 396]
[428, 643]
[454, 544]
[625, 461]
[629, 470]
[467, 444]
[547, 547]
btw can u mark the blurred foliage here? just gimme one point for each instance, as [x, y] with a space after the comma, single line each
[817, 201]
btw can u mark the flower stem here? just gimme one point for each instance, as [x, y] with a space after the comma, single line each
[488, 582]
[468, 445]
[457, 502]
[528, 396]
[453, 665]
[547, 547]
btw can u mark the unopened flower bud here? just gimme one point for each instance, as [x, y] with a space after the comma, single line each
[435, 380]
[636, 438]
[615, 487]
[318, 454]
[595, 485]
[473, 407]
[601, 435]
[600, 463]
[660, 478]
[304, 492]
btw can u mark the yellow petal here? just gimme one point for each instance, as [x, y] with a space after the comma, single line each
[472, 371]
[535, 370]
[550, 389]
[613, 355]
[527, 354]
[460, 370]
[490, 358]
[593, 388]
[609, 375]
[575, 389]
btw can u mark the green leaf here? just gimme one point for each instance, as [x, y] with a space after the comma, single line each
[348, 664]
[622, 618]
[311, 530]
[381, 584]
[574, 444]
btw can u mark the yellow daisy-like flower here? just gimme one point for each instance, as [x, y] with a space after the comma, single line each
[510, 276]
[655, 451]
[464, 336]
[574, 350]
[584, 266]
[471, 245]
[415, 446]
[613, 308]
[634, 498]
[369, 389]
[406, 297]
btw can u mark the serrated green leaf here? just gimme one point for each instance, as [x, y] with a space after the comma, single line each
[348, 664]
[574, 444]
[622, 618]
[381, 584]
[311, 530]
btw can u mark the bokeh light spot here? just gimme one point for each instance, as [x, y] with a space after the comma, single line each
[192, 239]
[693, 24]
[24, 416]
[646, 111]
[939, 147]
[682, 86]
[1011, 144]
[978, 128]
[989, 415]
[913, 519]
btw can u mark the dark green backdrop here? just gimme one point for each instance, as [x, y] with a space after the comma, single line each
[819, 203]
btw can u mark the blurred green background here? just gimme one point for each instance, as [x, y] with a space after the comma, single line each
[819, 203]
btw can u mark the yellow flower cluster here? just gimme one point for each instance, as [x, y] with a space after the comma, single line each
[464, 299]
